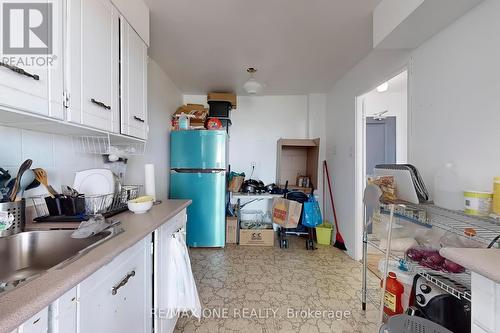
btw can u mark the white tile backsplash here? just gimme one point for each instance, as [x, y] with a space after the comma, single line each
[52, 152]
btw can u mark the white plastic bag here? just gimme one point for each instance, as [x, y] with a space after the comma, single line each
[181, 287]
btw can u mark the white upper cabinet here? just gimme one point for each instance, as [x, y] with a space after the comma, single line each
[133, 61]
[92, 66]
[32, 78]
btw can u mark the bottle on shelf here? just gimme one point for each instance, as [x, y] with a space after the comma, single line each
[393, 295]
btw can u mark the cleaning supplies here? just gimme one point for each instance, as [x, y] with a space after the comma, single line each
[393, 295]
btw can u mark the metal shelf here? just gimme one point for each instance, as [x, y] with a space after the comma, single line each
[457, 284]
[455, 221]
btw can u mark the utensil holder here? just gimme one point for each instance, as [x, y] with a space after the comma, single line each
[17, 209]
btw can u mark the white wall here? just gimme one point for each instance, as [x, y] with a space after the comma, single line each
[454, 98]
[52, 152]
[163, 99]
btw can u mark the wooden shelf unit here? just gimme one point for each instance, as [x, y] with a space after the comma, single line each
[297, 157]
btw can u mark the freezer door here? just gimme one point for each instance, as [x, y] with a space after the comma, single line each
[206, 215]
[198, 150]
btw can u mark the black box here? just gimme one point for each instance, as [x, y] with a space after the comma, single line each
[219, 109]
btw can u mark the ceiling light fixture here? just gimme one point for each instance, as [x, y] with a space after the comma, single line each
[383, 87]
[252, 86]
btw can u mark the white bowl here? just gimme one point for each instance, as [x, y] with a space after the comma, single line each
[139, 207]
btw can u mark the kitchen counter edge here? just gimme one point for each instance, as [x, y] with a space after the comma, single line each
[21, 303]
[478, 260]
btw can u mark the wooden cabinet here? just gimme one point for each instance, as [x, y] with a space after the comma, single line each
[133, 64]
[36, 87]
[162, 239]
[297, 157]
[92, 66]
[118, 297]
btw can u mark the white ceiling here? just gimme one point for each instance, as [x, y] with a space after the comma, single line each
[298, 46]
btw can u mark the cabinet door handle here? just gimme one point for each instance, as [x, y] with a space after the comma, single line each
[122, 282]
[20, 71]
[101, 104]
[139, 119]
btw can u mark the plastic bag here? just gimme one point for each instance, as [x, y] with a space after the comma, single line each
[312, 214]
[181, 292]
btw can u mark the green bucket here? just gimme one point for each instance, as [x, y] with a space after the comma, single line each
[324, 233]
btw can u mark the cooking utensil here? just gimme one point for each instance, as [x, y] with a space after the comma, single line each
[41, 176]
[22, 169]
[34, 184]
[4, 177]
[26, 179]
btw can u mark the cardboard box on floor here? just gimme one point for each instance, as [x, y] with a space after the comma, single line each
[257, 237]
[231, 230]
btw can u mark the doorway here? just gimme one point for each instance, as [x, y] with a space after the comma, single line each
[381, 136]
[380, 142]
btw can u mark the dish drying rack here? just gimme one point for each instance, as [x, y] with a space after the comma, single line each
[486, 230]
[105, 204]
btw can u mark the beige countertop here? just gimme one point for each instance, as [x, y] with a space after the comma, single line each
[482, 261]
[19, 304]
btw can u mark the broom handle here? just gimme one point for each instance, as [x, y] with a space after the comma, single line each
[324, 192]
[331, 195]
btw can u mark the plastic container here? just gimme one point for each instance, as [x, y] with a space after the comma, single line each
[496, 195]
[183, 122]
[324, 234]
[393, 295]
[448, 191]
[478, 203]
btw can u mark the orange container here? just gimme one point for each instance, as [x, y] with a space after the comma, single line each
[393, 295]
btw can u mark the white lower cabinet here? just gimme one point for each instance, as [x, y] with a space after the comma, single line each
[39, 323]
[64, 313]
[117, 298]
[485, 304]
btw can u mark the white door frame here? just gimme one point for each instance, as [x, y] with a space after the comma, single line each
[360, 153]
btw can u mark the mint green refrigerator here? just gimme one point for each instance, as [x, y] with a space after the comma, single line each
[198, 173]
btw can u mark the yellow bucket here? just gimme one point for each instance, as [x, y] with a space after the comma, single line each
[324, 233]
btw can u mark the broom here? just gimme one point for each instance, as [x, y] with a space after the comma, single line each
[339, 241]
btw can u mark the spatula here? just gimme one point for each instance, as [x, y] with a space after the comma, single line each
[41, 176]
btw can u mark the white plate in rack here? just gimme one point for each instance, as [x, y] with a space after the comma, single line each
[94, 182]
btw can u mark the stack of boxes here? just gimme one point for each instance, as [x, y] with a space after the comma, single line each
[221, 105]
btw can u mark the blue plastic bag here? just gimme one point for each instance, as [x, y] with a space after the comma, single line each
[312, 214]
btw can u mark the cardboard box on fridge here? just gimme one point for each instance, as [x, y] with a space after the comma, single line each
[199, 112]
[286, 212]
[257, 237]
[231, 230]
[222, 97]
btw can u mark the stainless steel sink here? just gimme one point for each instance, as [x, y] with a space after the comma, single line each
[27, 254]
